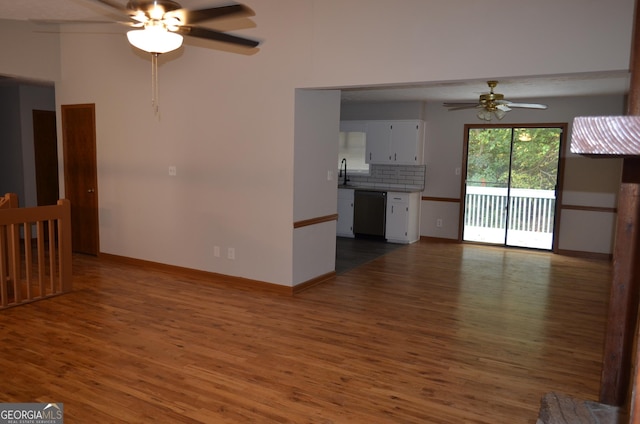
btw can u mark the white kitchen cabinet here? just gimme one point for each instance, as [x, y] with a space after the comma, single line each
[378, 142]
[395, 142]
[403, 217]
[345, 212]
[407, 141]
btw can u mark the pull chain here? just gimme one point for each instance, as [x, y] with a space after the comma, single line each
[155, 102]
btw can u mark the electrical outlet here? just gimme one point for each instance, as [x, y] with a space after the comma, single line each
[173, 171]
[457, 171]
[439, 222]
[231, 253]
[216, 251]
[329, 175]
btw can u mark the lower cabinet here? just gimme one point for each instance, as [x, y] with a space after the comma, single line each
[345, 212]
[403, 217]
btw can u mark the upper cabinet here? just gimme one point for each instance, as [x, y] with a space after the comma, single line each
[378, 142]
[395, 142]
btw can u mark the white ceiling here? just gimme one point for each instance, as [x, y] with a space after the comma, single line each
[514, 89]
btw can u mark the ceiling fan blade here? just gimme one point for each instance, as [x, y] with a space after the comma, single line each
[189, 17]
[72, 21]
[527, 105]
[460, 106]
[453, 104]
[211, 34]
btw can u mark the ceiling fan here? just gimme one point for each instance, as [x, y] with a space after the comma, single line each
[159, 27]
[160, 24]
[491, 104]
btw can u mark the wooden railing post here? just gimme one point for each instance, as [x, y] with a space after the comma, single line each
[64, 245]
[620, 137]
[9, 200]
[9, 251]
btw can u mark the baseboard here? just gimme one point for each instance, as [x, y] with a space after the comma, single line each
[586, 255]
[574, 253]
[313, 282]
[438, 239]
[215, 278]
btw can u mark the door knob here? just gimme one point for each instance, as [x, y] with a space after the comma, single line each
[90, 190]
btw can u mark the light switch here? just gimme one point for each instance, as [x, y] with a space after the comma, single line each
[173, 171]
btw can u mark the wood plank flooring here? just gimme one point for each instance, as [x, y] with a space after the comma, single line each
[429, 333]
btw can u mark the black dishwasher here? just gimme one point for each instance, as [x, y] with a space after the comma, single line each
[369, 213]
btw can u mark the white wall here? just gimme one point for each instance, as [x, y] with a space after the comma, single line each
[29, 51]
[227, 124]
[315, 191]
[382, 111]
[362, 42]
[227, 120]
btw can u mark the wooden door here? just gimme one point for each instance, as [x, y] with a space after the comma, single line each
[80, 175]
[45, 145]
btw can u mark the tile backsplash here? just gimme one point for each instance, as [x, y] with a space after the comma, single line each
[406, 177]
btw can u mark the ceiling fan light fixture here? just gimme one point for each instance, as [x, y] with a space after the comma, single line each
[484, 114]
[500, 113]
[154, 39]
[487, 115]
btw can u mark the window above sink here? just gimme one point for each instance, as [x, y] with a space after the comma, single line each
[352, 145]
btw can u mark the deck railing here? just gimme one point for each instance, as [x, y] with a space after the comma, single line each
[529, 210]
[35, 252]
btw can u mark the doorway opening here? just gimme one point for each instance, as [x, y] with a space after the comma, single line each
[45, 146]
[510, 186]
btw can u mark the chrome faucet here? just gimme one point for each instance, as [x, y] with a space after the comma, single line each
[341, 175]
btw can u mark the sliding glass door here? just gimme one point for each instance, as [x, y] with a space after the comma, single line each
[510, 186]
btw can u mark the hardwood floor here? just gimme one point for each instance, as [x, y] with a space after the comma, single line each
[429, 333]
